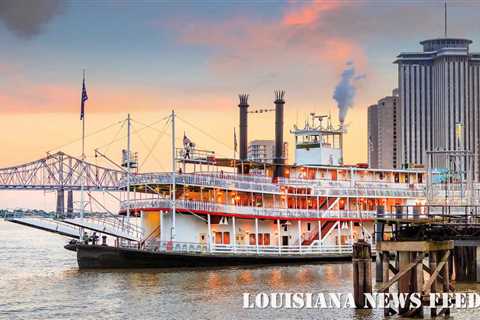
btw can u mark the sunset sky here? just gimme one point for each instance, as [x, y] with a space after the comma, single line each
[149, 57]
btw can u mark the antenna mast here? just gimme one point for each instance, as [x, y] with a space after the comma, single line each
[445, 18]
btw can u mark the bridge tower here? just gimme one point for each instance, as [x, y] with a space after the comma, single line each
[61, 191]
[60, 201]
[69, 202]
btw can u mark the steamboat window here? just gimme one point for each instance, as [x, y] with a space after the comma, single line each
[308, 226]
[263, 239]
[222, 237]
[252, 238]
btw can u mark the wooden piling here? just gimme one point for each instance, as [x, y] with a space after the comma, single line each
[379, 235]
[362, 272]
[409, 273]
[432, 260]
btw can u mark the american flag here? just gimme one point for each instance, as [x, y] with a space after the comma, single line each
[186, 140]
[84, 98]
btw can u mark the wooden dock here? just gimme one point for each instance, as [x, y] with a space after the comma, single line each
[422, 250]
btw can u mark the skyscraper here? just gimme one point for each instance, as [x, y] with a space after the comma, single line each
[384, 133]
[264, 150]
[439, 91]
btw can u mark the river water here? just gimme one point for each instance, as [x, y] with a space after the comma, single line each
[40, 280]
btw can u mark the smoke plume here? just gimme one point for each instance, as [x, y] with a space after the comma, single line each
[26, 18]
[345, 91]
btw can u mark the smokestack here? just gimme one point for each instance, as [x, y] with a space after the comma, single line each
[243, 129]
[341, 142]
[279, 161]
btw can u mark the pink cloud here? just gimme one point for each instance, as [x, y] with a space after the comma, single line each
[55, 98]
[249, 44]
[309, 12]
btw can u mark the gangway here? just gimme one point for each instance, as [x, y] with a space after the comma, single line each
[104, 223]
[47, 224]
[107, 225]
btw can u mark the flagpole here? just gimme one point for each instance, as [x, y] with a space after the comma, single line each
[82, 205]
[173, 190]
[128, 166]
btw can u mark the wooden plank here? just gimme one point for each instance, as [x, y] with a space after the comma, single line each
[385, 262]
[404, 260]
[413, 246]
[435, 273]
[398, 276]
[446, 282]
[440, 277]
[419, 284]
[386, 274]
[392, 268]
[433, 266]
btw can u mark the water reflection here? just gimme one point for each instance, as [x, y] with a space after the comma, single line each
[40, 280]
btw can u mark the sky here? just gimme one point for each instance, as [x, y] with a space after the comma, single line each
[149, 57]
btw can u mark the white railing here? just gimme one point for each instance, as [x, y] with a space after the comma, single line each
[191, 247]
[264, 184]
[117, 223]
[245, 210]
[226, 181]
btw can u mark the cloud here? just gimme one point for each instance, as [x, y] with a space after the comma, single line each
[27, 18]
[257, 45]
[31, 98]
[308, 13]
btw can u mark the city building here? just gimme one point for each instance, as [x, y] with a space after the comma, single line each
[384, 133]
[439, 92]
[373, 136]
[264, 150]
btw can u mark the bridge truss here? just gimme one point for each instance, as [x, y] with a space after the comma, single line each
[60, 172]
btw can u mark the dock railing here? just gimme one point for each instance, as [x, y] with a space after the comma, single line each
[454, 214]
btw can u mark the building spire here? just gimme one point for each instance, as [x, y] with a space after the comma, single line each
[446, 18]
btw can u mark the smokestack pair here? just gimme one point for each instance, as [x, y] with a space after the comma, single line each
[279, 106]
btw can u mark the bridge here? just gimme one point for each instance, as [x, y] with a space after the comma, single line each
[60, 172]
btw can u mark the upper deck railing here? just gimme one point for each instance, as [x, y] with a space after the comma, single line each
[197, 206]
[264, 184]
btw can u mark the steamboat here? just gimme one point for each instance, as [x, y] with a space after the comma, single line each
[218, 211]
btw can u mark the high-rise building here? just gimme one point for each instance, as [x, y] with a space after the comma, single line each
[373, 136]
[439, 91]
[384, 133]
[264, 150]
